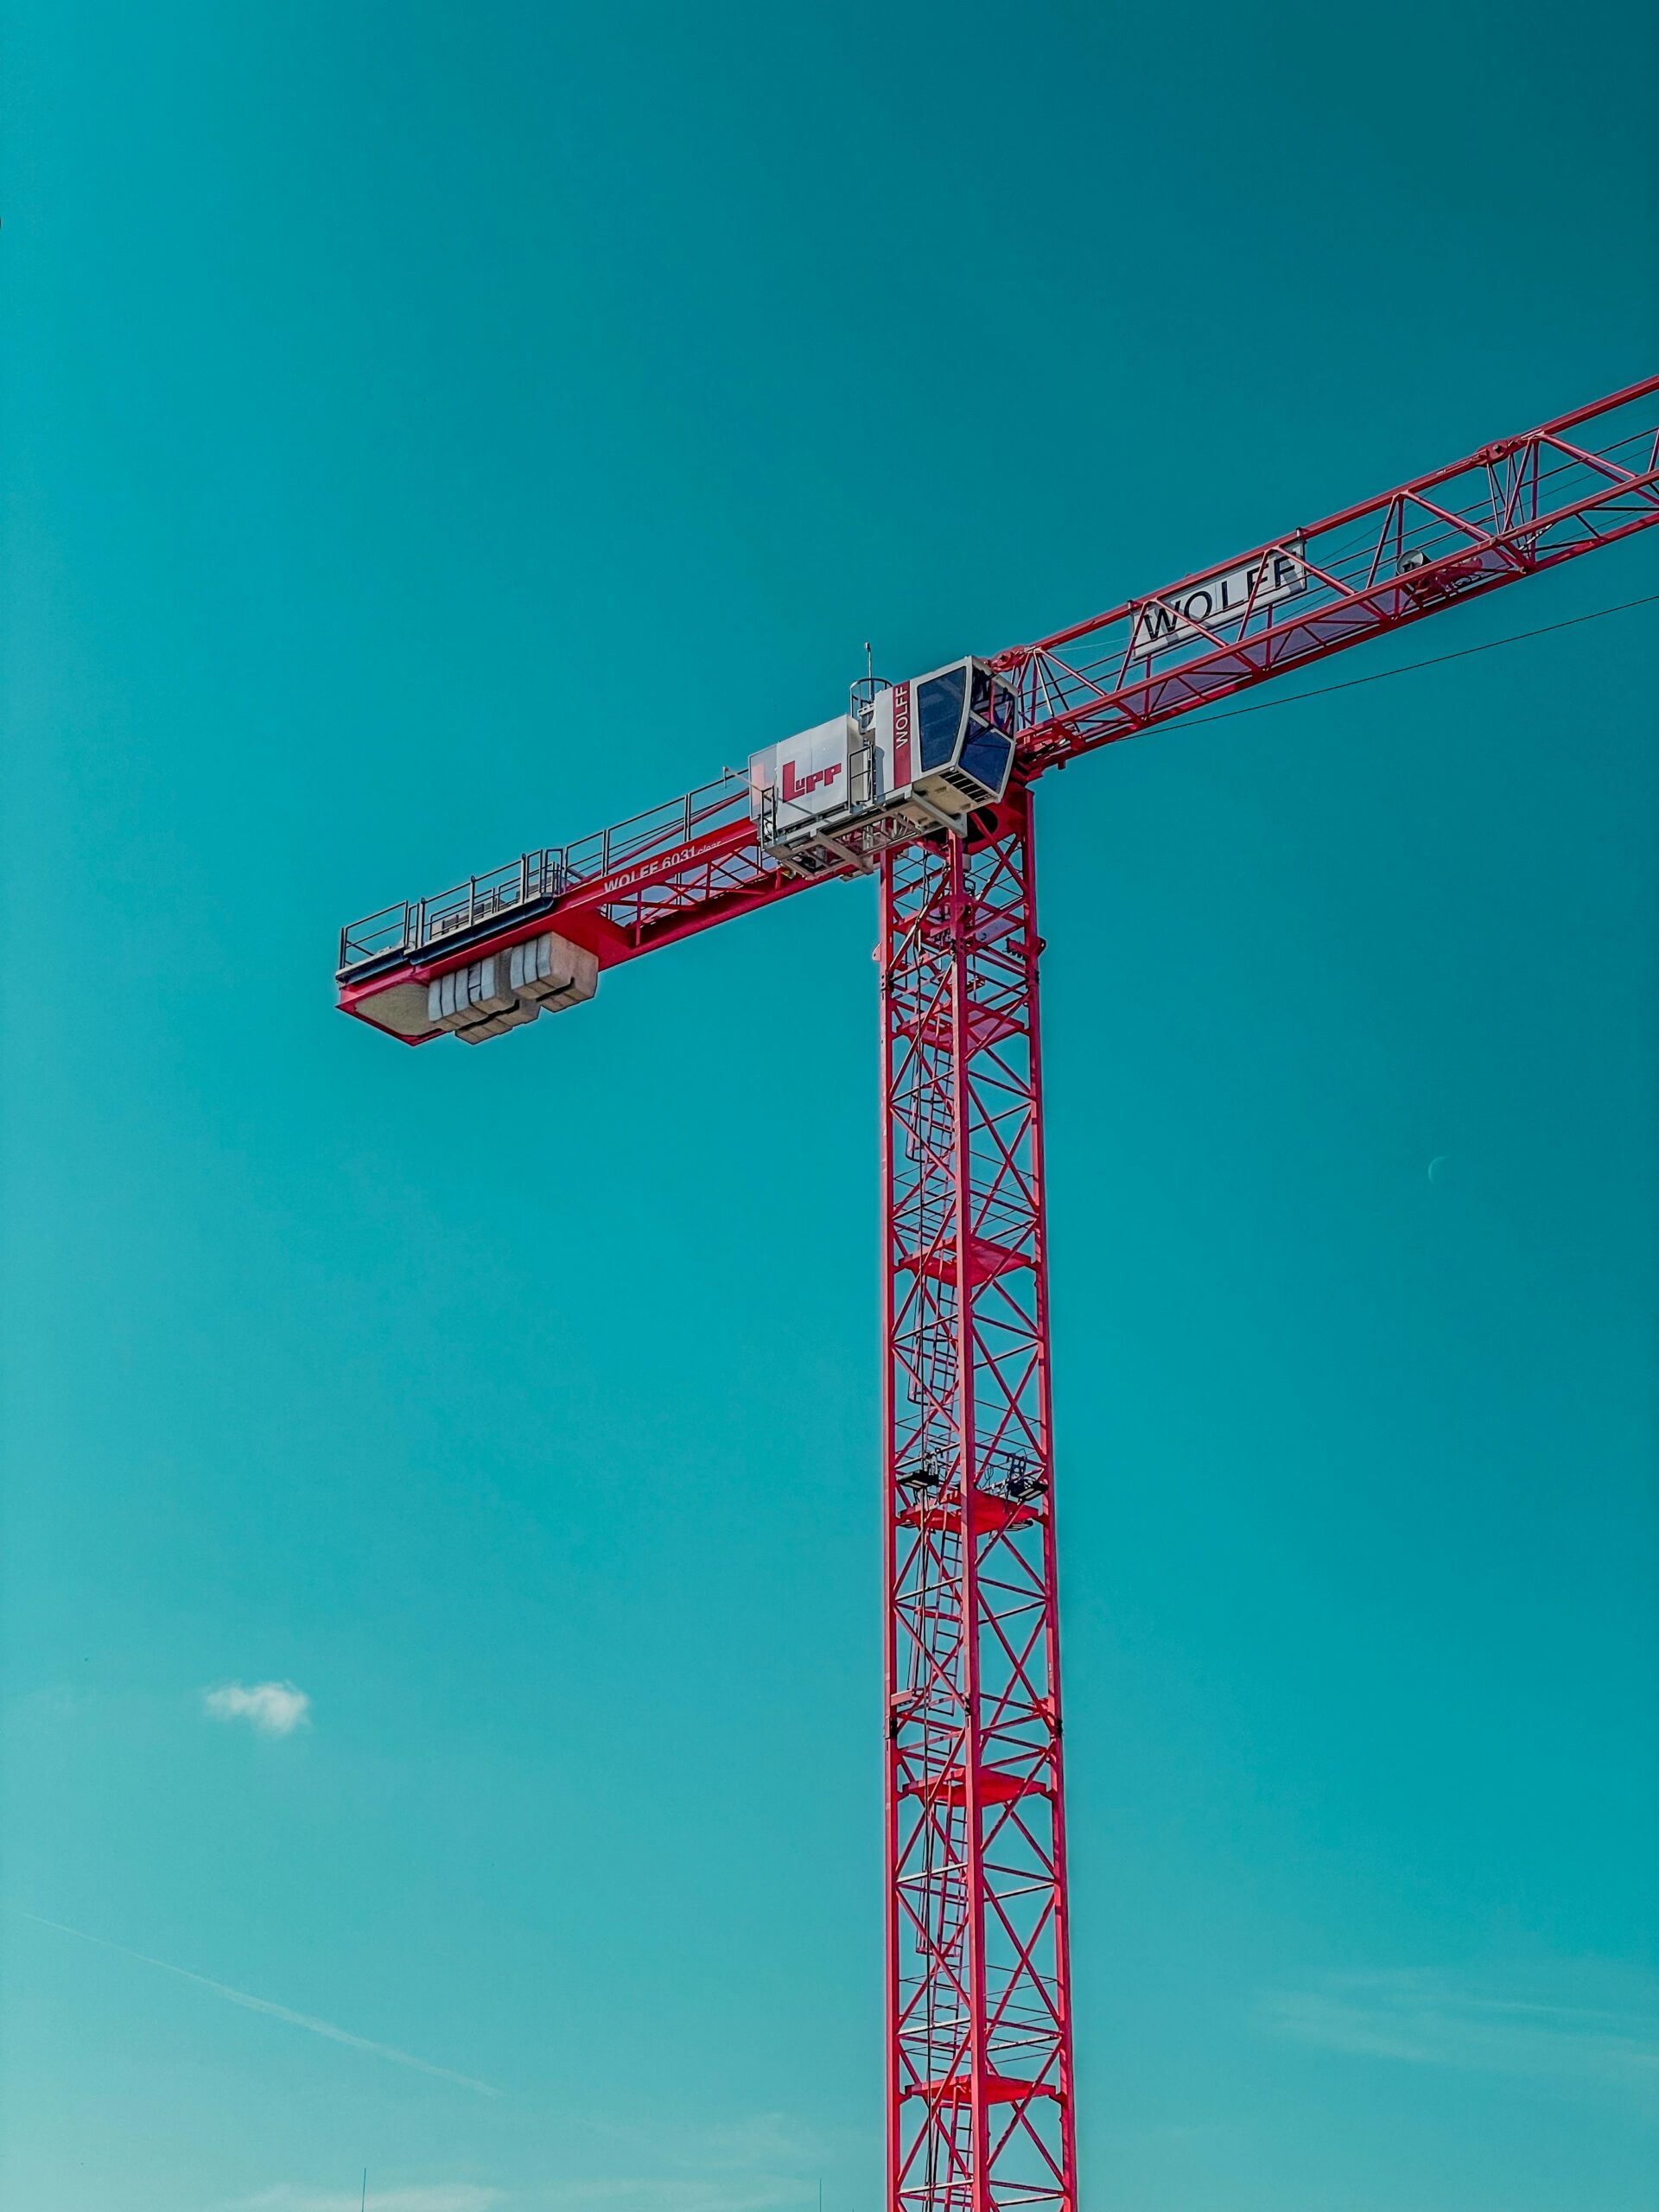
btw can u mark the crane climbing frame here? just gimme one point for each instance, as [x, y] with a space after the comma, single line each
[981, 2109]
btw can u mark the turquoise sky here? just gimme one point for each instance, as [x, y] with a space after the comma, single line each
[435, 430]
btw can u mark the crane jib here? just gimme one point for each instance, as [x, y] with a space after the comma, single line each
[828, 804]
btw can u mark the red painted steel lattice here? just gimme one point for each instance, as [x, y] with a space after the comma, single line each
[979, 2107]
[979, 2002]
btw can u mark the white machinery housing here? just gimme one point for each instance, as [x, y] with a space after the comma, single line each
[926, 753]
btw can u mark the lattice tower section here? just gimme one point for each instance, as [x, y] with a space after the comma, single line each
[978, 1994]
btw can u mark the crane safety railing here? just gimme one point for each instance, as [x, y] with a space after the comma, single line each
[550, 872]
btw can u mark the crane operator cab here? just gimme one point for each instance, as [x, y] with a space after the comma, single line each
[922, 754]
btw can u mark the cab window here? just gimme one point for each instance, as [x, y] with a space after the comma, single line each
[938, 711]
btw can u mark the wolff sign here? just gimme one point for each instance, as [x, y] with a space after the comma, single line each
[1218, 603]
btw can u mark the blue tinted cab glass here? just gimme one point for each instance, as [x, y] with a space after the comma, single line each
[938, 710]
[985, 756]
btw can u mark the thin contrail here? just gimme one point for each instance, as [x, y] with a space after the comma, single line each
[276, 2012]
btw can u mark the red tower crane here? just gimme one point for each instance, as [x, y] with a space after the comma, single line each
[927, 785]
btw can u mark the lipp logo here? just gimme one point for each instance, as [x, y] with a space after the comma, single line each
[799, 787]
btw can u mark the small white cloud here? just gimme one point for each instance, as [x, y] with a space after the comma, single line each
[767, 2162]
[274, 1708]
[770, 2140]
[439, 2196]
[758, 2193]
[1421, 2020]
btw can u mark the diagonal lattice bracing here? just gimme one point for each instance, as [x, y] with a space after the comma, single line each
[979, 2003]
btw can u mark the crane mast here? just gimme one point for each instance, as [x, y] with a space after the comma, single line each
[979, 2010]
[981, 2105]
